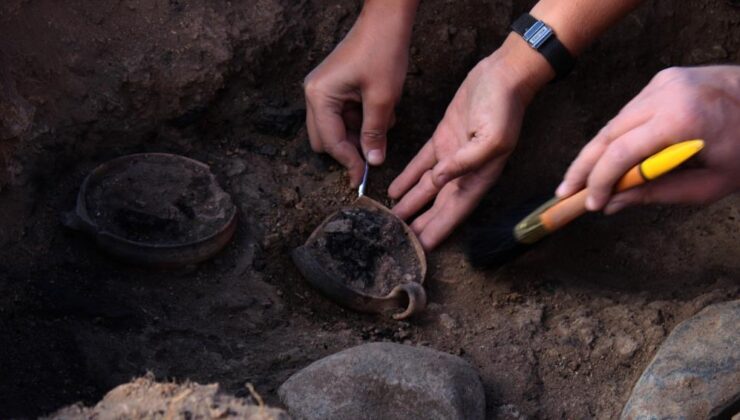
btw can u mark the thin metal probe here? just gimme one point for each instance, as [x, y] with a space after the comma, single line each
[363, 184]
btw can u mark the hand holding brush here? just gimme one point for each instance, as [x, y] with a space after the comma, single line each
[679, 103]
[500, 243]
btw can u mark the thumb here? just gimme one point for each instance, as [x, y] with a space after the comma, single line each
[376, 118]
[691, 186]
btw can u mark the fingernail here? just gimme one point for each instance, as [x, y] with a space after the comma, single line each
[375, 157]
[591, 203]
[614, 207]
[561, 189]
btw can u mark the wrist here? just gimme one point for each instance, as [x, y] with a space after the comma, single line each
[572, 38]
[526, 68]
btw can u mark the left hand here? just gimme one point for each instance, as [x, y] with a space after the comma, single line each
[470, 146]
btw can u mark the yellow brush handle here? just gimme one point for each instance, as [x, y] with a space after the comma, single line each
[570, 208]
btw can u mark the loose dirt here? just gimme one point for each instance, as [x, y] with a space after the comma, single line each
[562, 332]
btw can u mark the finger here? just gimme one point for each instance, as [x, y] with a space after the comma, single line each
[422, 162]
[620, 156]
[577, 174]
[333, 134]
[474, 154]
[376, 116]
[454, 203]
[455, 206]
[691, 186]
[354, 139]
[313, 136]
[352, 116]
[414, 200]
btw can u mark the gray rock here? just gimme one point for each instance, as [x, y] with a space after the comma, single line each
[385, 381]
[696, 372]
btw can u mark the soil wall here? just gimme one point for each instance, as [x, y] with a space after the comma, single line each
[562, 332]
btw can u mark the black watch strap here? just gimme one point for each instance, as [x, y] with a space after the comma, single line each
[542, 38]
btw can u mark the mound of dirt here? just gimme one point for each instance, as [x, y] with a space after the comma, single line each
[143, 398]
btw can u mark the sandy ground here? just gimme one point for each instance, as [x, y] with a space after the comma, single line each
[564, 331]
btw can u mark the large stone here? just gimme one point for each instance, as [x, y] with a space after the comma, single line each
[696, 372]
[385, 381]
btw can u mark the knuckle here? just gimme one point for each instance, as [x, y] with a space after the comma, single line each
[312, 87]
[335, 149]
[383, 97]
[427, 181]
[573, 174]
[688, 113]
[671, 75]
[619, 154]
[587, 151]
[373, 134]
[381, 100]
[330, 148]
[607, 132]
[459, 166]
[493, 140]
[416, 226]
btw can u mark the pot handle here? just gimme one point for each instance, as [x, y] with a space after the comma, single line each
[417, 298]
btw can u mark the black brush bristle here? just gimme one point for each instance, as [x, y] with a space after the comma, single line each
[494, 244]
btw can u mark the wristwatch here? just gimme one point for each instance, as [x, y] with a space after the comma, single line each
[542, 38]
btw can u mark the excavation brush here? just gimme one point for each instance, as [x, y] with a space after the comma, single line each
[504, 241]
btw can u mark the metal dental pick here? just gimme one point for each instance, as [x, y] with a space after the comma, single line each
[363, 184]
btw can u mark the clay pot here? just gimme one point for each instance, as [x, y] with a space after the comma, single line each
[130, 182]
[404, 292]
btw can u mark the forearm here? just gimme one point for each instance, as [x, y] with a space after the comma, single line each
[576, 24]
[393, 18]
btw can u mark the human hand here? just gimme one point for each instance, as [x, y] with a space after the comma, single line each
[469, 147]
[350, 96]
[678, 104]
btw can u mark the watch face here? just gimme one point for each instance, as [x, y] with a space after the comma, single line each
[537, 34]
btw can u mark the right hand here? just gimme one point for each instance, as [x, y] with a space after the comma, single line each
[351, 95]
[471, 144]
[678, 104]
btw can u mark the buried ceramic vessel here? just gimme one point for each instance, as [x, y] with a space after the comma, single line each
[365, 258]
[154, 209]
